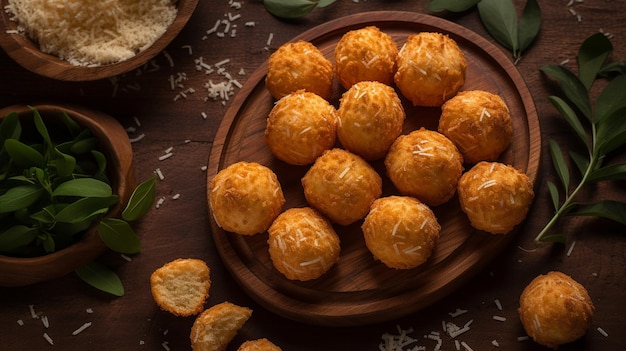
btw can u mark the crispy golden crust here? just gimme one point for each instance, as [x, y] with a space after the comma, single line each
[214, 328]
[495, 197]
[258, 345]
[555, 309]
[478, 123]
[181, 287]
[299, 65]
[365, 54]
[370, 119]
[400, 231]
[342, 186]
[302, 244]
[245, 198]
[426, 165]
[431, 69]
[300, 127]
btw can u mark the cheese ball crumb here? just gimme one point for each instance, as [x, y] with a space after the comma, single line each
[181, 287]
[365, 54]
[478, 123]
[299, 65]
[555, 309]
[370, 119]
[401, 231]
[302, 244]
[216, 327]
[300, 127]
[426, 165]
[342, 186]
[495, 197]
[431, 69]
[258, 345]
[245, 198]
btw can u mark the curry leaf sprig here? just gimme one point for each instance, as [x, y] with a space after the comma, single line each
[601, 128]
[501, 21]
[294, 8]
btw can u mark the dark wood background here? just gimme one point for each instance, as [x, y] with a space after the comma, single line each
[180, 228]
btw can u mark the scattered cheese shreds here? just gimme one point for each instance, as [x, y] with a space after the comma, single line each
[603, 332]
[48, 338]
[81, 328]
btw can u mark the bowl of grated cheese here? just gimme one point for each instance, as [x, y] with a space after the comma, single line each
[74, 40]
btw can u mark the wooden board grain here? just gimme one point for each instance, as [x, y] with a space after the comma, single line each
[359, 290]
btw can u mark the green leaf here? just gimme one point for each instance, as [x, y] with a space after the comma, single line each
[570, 116]
[289, 8]
[609, 209]
[451, 5]
[20, 197]
[500, 20]
[611, 132]
[101, 162]
[9, 128]
[591, 56]
[119, 236]
[47, 241]
[71, 125]
[16, 237]
[529, 24]
[611, 99]
[84, 146]
[571, 86]
[582, 163]
[554, 238]
[24, 156]
[325, 3]
[559, 164]
[83, 187]
[554, 194]
[43, 131]
[84, 208]
[101, 277]
[141, 200]
[612, 172]
[63, 164]
[613, 69]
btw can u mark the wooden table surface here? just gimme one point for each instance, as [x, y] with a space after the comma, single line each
[179, 227]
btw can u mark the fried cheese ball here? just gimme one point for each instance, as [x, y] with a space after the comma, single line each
[216, 327]
[478, 123]
[370, 119]
[181, 287]
[299, 65]
[426, 165]
[555, 309]
[300, 127]
[259, 345]
[342, 186]
[431, 69]
[245, 198]
[365, 54]
[495, 197]
[400, 231]
[302, 244]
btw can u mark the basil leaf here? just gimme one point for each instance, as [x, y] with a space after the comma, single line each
[24, 156]
[500, 20]
[591, 56]
[71, 125]
[559, 164]
[9, 128]
[101, 162]
[83, 187]
[119, 236]
[141, 200]
[43, 131]
[325, 3]
[289, 8]
[571, 86]
[611, 99]
[84, 146]
[101, 278]
[609, 209]
[20, 197]
[613, 69]
[63, 164]
[48, 242]
[582, 163]
[84, 208]
[570, 116]
[451, 5]
[45, 216]
[529, 24]
[612, 172]
[554, 194]
[17, 236]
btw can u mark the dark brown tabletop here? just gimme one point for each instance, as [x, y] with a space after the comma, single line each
[168, 104]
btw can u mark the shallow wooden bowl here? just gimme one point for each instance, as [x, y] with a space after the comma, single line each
[27, 54]
[114, 143]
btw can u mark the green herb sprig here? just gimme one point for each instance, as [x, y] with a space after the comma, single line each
[501, 21]
[294, 8]
[601, 128]
[53, 187]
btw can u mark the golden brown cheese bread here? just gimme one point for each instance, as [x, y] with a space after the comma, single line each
[299, 65]
[214, 328]
[478, 123]
[302, 244]
[555, 309]
[181, 287]
[495, 197]
[431, 69]
[426, 165]
[370, 119]
[342, 186]
[245, 198]
[400, 231]
[365, 54]
[300, 127]
[258, 345]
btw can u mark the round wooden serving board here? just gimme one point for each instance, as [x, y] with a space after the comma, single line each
[359, 290]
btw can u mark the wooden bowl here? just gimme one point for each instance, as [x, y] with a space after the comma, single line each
[114, 143]
[27, 54]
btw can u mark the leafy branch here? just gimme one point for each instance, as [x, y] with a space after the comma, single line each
[600, 128]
